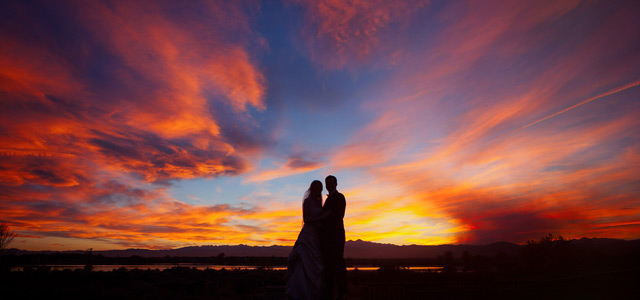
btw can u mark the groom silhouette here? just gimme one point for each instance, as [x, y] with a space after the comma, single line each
[332, 242]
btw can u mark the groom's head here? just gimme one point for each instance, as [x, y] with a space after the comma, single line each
[331, 182]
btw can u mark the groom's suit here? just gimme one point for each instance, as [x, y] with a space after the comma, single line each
[332, 242]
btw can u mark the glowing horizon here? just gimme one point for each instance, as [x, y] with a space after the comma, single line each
[155, 124]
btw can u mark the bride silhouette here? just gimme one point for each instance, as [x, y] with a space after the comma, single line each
[305, 271]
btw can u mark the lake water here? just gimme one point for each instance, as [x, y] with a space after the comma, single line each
[109, 268]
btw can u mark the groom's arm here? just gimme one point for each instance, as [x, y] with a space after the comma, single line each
[341, 206]
[332, 207]
[336, 204]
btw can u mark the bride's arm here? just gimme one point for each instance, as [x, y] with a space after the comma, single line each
[306, 215]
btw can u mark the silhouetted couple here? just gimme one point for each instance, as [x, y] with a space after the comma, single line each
[316, 264]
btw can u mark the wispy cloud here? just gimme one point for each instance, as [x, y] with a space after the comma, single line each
[617, 90]
[293, 166]
[475, 164]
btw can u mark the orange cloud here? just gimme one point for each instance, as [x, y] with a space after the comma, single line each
[128, 216]
[137, 93]
[157, 121]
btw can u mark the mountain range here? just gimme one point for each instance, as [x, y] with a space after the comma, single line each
[356, 249]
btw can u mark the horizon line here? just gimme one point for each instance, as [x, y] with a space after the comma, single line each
[358, 240]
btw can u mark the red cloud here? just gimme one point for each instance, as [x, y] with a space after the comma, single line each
[340, 33]
[156, 121]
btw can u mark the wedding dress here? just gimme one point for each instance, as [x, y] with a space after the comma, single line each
[305, 270]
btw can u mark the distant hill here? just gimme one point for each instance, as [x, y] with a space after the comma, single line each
[362, 249]
[356, 249]
[202, 251]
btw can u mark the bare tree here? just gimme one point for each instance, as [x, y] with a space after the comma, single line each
[6, 236]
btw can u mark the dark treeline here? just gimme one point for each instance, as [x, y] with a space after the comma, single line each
[99, 259]
[186, 283]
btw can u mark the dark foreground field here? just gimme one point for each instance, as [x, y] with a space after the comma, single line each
[551, 268]
[185, 283]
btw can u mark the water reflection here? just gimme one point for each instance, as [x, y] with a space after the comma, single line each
[109, 268]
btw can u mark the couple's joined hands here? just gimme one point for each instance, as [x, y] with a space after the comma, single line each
[313, 219]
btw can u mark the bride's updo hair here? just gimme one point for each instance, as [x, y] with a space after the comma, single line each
[315, 189]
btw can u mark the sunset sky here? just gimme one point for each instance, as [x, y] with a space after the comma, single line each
[162, 124]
